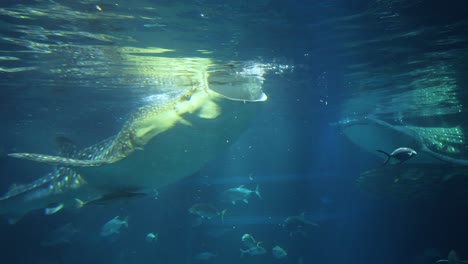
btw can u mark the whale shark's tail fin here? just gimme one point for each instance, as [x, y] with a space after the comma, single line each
[47, 192]
[388, 156]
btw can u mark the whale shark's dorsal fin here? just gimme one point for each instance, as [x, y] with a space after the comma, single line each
[70, 155]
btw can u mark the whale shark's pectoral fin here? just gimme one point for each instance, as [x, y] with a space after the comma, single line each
[60, 161]
[185, 122]
[210, 110]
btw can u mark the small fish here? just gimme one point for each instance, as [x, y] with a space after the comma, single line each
[400, 154]
[205, 210]
[248, 241]
[278, 252]
[151, 237]
[205, 256]
[113, 226]
[298, 225]
[154, 25]
[240, 194]
[254, 251]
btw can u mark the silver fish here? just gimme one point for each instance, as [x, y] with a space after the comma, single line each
[151, 237]
[113, 226]
[206, 210]
[248, 240]
[240, 194]
[254, 251]
[278, 252]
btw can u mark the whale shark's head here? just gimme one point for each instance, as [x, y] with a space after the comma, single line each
[242, 85]
[371, 134]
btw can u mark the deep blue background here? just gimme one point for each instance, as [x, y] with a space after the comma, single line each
[301, 163]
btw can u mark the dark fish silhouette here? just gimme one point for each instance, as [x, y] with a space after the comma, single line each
[206, 211]
[111, 197]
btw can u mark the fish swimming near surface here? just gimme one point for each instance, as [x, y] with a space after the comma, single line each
[240, 194]
[162, 142]
[113, 226]
[400, 154]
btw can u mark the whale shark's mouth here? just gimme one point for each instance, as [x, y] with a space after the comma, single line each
[244, 84]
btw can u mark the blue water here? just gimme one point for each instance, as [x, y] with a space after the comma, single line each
[324, 60]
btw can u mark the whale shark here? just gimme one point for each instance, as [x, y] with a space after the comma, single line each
[433, 144]
[161, 142]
